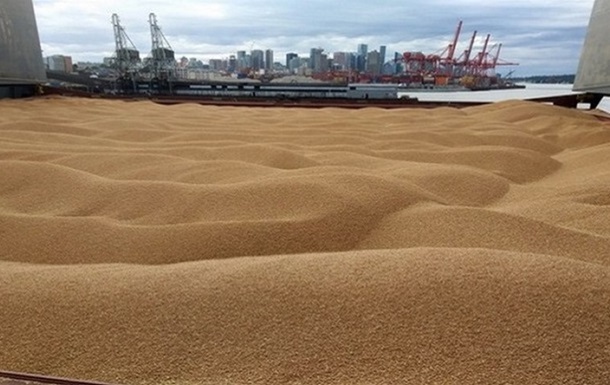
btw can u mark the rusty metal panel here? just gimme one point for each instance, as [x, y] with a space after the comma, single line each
[20, 53]
[594, 69]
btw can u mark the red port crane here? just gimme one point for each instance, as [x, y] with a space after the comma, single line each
[445, 67]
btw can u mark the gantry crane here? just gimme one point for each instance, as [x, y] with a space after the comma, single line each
[436, 64]
[448, 62]
[462, 63]
[127, 57]
[445, 68]
[162, 56]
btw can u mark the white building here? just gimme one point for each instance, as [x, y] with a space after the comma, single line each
[59, 63]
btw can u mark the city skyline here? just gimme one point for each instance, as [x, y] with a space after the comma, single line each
[544, 37]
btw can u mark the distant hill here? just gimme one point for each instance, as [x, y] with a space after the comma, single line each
[546, 79]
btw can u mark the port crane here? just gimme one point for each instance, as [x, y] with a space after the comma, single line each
[447, 68]
[463, 61]
[162, 56]
[440, 65]
[447, 63]
[126, 56]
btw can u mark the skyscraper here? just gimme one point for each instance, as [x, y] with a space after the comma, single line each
[257, 59]
[341, 60]
[242, 62]
[269, 59]
[398, 68]
[382, 53]
[363, 49]
[295, 64]
[289, 57]
[373, 63]
[315, 59]
[232, 63]
[361, 57]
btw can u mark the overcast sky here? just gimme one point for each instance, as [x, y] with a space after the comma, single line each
[543, 36]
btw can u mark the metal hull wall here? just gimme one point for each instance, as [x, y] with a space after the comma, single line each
[20, 53]
[594, 68]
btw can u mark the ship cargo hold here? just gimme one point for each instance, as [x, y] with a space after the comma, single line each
[21, 63]
[594, 69]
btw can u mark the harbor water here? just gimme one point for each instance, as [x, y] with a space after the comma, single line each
[531, 91]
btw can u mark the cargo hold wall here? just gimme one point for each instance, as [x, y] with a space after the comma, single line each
[594, 69]
[20, 53]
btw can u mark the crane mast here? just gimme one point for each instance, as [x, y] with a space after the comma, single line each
[483, 53]
[162, 55]
[127, 56]
[118, 33]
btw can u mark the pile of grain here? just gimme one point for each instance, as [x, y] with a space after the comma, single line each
[147, 244]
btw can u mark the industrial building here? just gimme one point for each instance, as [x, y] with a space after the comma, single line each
[21, 64]
[59, 63]
[594, 69]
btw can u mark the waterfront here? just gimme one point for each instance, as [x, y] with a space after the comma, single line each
[531, 91]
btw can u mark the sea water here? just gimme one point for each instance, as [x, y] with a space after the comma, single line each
[531, 91]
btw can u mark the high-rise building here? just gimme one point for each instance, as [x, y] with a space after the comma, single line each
[216, 64]
[363, 49]
[313, 53]
[382, 53]
[19, 42]
[388, 68]
[289, 57]
[353, 61]
[269, 59]
[397, 60]
[360, 63]
[361, 57]
[242, 62]
[341, 60]
[248, 61]
[295, 63]
[232, 66]
[195, 63]
[373, 63]
[257, 58]
[318, 61]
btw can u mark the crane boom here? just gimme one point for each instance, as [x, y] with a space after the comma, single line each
[469, 50]
[484, 52]
[162, 55]
[495, 59]
[455, 42]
